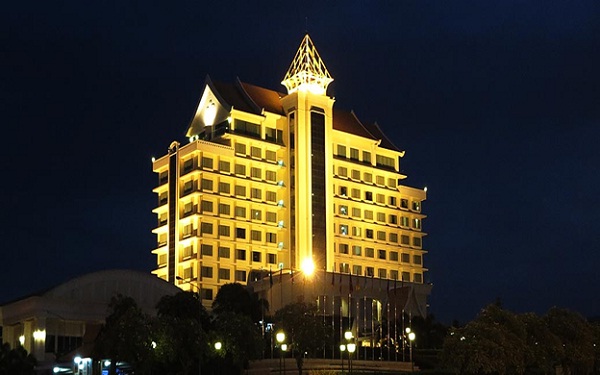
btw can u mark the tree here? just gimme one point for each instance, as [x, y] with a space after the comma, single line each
[180, 333]
[543, 347]
[125, 337]
[241, 339]
[577, 338]
[16, 361]
[237, 298]
[305, 330]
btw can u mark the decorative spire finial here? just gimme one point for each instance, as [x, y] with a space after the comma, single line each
[307, 71]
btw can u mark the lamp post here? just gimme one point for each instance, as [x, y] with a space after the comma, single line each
[280, 337]
[350, 347]
[199, 288]
[342, 350]
[218, 346]
[411, 337]
[284, 348]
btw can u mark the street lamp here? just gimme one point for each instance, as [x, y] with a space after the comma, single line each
[284, 349]
[280, 337]
[411, 338]
[351, 348]
[342, 350]
[218, 346]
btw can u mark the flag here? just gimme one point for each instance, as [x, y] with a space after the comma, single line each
[270, 278]
[351, 288]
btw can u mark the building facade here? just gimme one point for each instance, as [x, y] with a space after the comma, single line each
[273, 183]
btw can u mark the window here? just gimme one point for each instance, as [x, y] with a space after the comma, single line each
[271, 237]
[343, 191]
[355, 193]
[256, 235]
[188, 208]
[343, 248]
[240, 233]
[392, 201]
[207, 163]
[417, 259]
[380, 198]
[369, 271]
[224, 166]
[368, 177]
[404, 221]
[207, 184]
[380, 180]
[394, 256]
[368, 214]
[271, 196]
[271, 176]
[368, 196]
[162, 220]
[393, 237]
[188, 165]
[163, 178]
[271, 217]
[188, 251]
[188, 231]
[417, 223]
[394, 275]
[417, 278]
[342, 171]
[369, 233]
[224, 274]
[224, 209]
[162, 260]
[224, 231]
[341, 150]
[207, 228]
[255, 152]
[240, 191]
[355, 174]
[344, 268]
[417, 241]
[357, 270]
[344, 210]
[356, 231]
[240, 276]
[381, 235]
[207, 272]
[240, 254]
[224, 188]
[240, 211]
[381, 254]
[240, 148]
[366, 157]
[207, 294]
[207, 250]
[405, 258]
[384, 161]
[356, 250]
[256, 214]
[392, 183]
[240, 169]
[369, 252]
[381, 217]
[272, 258]
[353, 154]
[343, 229]
[256, 193]
[207, 206]
[256, 256]
[255, 173]
[382, 273]
[393, 219]
[188, 187]
[356, 212]
[403, 203]
[405, 276]
[271, 155]
[188, 273]
[416, 206]
[163, 199]
[224, 252]
[404, 239]
[270, 135]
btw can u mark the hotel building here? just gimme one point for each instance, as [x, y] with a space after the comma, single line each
[280, 181]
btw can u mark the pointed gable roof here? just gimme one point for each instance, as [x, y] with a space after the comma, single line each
[307, 71]
[348, 122]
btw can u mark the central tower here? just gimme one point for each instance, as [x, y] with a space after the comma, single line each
[310, 118]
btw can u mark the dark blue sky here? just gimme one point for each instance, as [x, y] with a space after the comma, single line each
[497, 104]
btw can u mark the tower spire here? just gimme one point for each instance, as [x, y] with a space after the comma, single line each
[307, 71]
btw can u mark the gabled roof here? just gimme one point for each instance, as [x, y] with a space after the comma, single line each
[348, 122]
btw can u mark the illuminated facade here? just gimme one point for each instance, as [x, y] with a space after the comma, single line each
[272, 180]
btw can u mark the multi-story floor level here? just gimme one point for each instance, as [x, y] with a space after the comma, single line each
[274, 180]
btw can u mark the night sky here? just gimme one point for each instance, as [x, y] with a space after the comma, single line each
[497, 104]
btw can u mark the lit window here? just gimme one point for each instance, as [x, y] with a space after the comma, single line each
[240, 169]
[341, 150]
[224, 188]
[240, 191]
[207, 185]
[343, 248]
[416, 206]
[356, 250]
[207, 163]
[369, 252]
[343, 229]
[357, 270]
[224, 166]
[343, 210]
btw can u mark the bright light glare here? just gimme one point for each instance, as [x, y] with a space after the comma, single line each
[411, 336]
[280, 336]
[308, 267]
[218, 345]
[39, 334]
[348, 335]
[77, 359]
[22, 340]
[351, 347]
